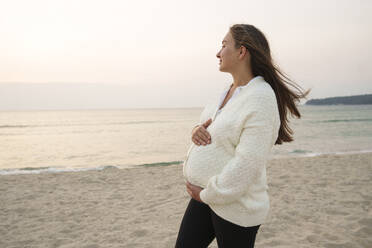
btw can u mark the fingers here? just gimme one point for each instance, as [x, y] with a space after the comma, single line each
[189, 185]
[188, 189]
[201, 136]
[194, 128]
[199, 141]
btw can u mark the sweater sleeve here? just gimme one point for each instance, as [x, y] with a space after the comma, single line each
[250, 155]
[200, 120]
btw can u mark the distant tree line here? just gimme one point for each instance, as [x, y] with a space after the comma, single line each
[348, 100]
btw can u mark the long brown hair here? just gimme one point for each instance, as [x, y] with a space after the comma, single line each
[262, 65]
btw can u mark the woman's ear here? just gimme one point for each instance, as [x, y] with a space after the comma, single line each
[243, 52]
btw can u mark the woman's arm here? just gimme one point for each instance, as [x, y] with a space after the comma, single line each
[251, 153]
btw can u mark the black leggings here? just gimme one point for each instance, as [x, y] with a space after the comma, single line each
[200, 225]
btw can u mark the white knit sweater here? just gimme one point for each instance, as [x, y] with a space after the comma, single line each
[223, 95]
[232, 168]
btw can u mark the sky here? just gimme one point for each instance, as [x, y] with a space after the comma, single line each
[162, 54]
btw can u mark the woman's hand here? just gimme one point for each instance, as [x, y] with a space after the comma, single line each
[200, 135]
[194, 191]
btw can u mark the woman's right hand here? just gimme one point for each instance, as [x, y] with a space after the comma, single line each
[200, 135]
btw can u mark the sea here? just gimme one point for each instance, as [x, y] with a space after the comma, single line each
[52, 141]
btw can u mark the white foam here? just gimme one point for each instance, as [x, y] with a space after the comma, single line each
[71, 169]
[316, 154]
[50, 170]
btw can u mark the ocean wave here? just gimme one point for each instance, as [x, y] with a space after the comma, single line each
[344, 120]
[38, 170]
[161, 163]
[88, 124]
[14, 126]
[304, 153]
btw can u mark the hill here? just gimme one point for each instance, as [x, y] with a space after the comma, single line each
[347, 100]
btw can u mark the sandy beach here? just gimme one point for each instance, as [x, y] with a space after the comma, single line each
[320, 201]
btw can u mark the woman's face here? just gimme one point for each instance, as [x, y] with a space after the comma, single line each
[228, 55]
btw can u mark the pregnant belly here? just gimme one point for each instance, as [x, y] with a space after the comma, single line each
[204, 162]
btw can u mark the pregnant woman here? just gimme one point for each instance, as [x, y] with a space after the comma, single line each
[225, 166]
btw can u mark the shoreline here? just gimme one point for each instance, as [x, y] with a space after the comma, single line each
[51, 169]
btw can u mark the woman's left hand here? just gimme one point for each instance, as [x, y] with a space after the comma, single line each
[194, 191]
